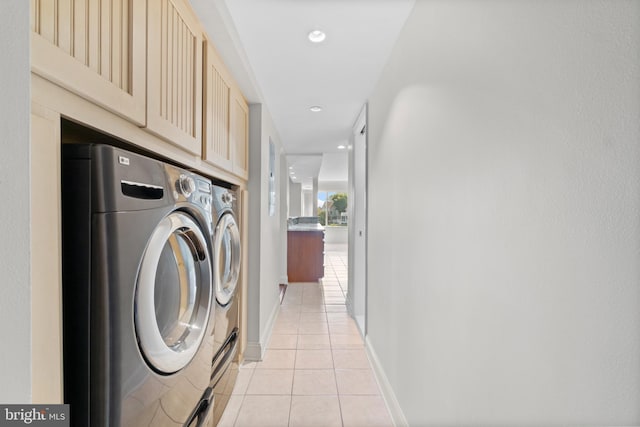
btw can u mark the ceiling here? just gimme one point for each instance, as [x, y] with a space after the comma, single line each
[266, 46]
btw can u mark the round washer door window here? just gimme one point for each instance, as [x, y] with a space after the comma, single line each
[226, 250]
[173, 293]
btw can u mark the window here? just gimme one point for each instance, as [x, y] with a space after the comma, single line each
[332, 208]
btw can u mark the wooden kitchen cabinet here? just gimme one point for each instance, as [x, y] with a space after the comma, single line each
[95, 49]
[305, 255]
[174, 74]
[226, 127]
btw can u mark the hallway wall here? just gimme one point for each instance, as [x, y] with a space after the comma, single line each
[504, 226]
[15, 183]
[295, 199]
[267, 247]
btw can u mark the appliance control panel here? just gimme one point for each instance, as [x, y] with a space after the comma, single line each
[191, 187]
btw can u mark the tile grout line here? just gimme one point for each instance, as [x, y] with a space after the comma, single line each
[293, 378]
[244, 395]
[335, 376]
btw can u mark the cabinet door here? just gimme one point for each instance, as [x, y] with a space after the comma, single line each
[216, 137]
[174, 77]
[240, 134]
[94, 48]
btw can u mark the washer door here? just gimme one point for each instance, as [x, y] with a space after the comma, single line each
[173, 293]
[226, 252]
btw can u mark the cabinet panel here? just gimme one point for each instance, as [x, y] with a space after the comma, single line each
[217, 142]
[174, 60]
[305, 256]
[95, 48]
[46, 281]
[240, 134]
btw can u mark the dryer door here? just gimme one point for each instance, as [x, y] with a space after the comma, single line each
[173, 293]
[226, 252]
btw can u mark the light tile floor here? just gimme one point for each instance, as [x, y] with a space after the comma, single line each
[315, 371]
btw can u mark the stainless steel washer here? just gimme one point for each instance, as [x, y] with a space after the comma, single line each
[137, 288]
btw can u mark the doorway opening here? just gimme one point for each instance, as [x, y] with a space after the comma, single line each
[341, 214]
[333, 216]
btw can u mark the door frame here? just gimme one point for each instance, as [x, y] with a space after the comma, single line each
[357, 292]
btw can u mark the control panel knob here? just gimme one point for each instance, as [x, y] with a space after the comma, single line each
[186, 185]
[226, 198]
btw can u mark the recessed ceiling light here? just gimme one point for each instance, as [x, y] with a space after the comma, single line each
[317, 36]
[341, 147]
[290, 167]
[316, 108]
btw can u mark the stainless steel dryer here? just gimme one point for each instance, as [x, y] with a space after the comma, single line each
[226, 265]
[137, 289]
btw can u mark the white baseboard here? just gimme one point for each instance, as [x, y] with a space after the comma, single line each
[268, 327]
[255, 350]
[388, 394]
[349, 304]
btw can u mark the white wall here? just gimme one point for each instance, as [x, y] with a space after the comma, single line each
[336, 234]
[284, 208]
[334, 167]
[314, 197]
[504, 214]
[333, 186]
[308, 203]
[15, 304]
[295, 199]
[266, 247]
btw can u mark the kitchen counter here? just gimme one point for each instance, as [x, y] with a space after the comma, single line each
[305, 227]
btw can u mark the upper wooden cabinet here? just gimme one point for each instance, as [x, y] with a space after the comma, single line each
[217, 92]
[95, 49]
[226, 115]
[174, 73]
[240, 134]
[145, 61]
